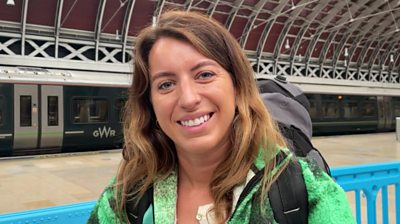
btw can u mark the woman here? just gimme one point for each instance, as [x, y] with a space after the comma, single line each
[200, 146]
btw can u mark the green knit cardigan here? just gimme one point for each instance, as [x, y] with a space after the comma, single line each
[327, 201]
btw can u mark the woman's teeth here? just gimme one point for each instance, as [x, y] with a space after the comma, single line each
[196, 121]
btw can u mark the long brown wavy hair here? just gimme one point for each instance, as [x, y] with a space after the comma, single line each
[149, 155]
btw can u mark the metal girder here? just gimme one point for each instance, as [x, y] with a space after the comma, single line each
[324, 50]
[99, 21]
[260, 48]
[24, 13]
[341, 46]
[386, 39]
[308, 21]
[212, 8]
[396, 59]
[336, 27]
[250, 22]
[332, 13]
[353, 26]
[373, 55]
[232, 14]
[364, 29]
[325, 47]
[57, 25]
[376, 53]
[99, 18]
[288, 24]
[267, 29]
[386, 56]
[322, 29]
[379, 29]
[188, 5]
[125, 27]
[158, 9]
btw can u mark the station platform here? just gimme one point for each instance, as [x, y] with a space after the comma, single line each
[43, 181]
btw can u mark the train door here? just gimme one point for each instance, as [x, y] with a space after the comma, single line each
[384, 113]
[26, 116]
[52, 113]
[6, 119]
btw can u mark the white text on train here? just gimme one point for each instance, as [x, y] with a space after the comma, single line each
[104, 132]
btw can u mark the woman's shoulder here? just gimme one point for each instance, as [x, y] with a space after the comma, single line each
[324, 196]
[105, 209]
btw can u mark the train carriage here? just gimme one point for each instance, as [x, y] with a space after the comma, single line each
[94, 117]
[43, 111]
[52, 111]
[349, 109]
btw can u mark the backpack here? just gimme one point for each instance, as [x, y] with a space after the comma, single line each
[289, 107]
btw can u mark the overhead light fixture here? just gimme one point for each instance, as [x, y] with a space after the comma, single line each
[117, 34]
[287, 46]
[154, 22]
[391, 58]
[346, 52]
[10, 2]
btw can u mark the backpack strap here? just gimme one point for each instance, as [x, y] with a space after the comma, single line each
[301, 145]
[136, 213]
[288, 195]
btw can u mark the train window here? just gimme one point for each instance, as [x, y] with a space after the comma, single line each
[368, 107]
[52, 110]
[350, 109]
[25, 109]
[313, 106]
[89, 110]
[329, 106]
[98, 111]
[330, 110]
[1, 110]
[396, 106]
[119, 107]
[80, 110]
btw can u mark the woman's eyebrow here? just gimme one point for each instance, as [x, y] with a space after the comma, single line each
[170, 74]
[161, 75]
[203, 63]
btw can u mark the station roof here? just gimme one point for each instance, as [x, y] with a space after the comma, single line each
[347, 32]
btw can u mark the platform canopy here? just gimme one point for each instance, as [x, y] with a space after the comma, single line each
[355, 40]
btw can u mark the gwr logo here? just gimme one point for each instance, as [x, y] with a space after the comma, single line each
[104, 132]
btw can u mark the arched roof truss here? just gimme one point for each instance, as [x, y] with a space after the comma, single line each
[336, 39]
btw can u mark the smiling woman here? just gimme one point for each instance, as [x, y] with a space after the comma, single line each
[194, 102]
[200, 146]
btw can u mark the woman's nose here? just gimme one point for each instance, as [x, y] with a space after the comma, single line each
[189, 96]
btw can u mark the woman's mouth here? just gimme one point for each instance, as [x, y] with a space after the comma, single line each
[197, 121]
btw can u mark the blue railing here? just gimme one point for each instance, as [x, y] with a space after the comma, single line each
[65, 214]
[369, 180]
[364, 180]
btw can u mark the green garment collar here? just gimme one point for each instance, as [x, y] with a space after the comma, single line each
[165, 191]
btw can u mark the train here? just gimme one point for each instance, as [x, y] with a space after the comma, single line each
[44, 111]
[55, 111]
[348, 114]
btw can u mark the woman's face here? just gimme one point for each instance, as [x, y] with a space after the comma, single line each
[193, 97]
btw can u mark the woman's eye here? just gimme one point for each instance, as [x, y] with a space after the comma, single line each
[165, 85]
[206, 75]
